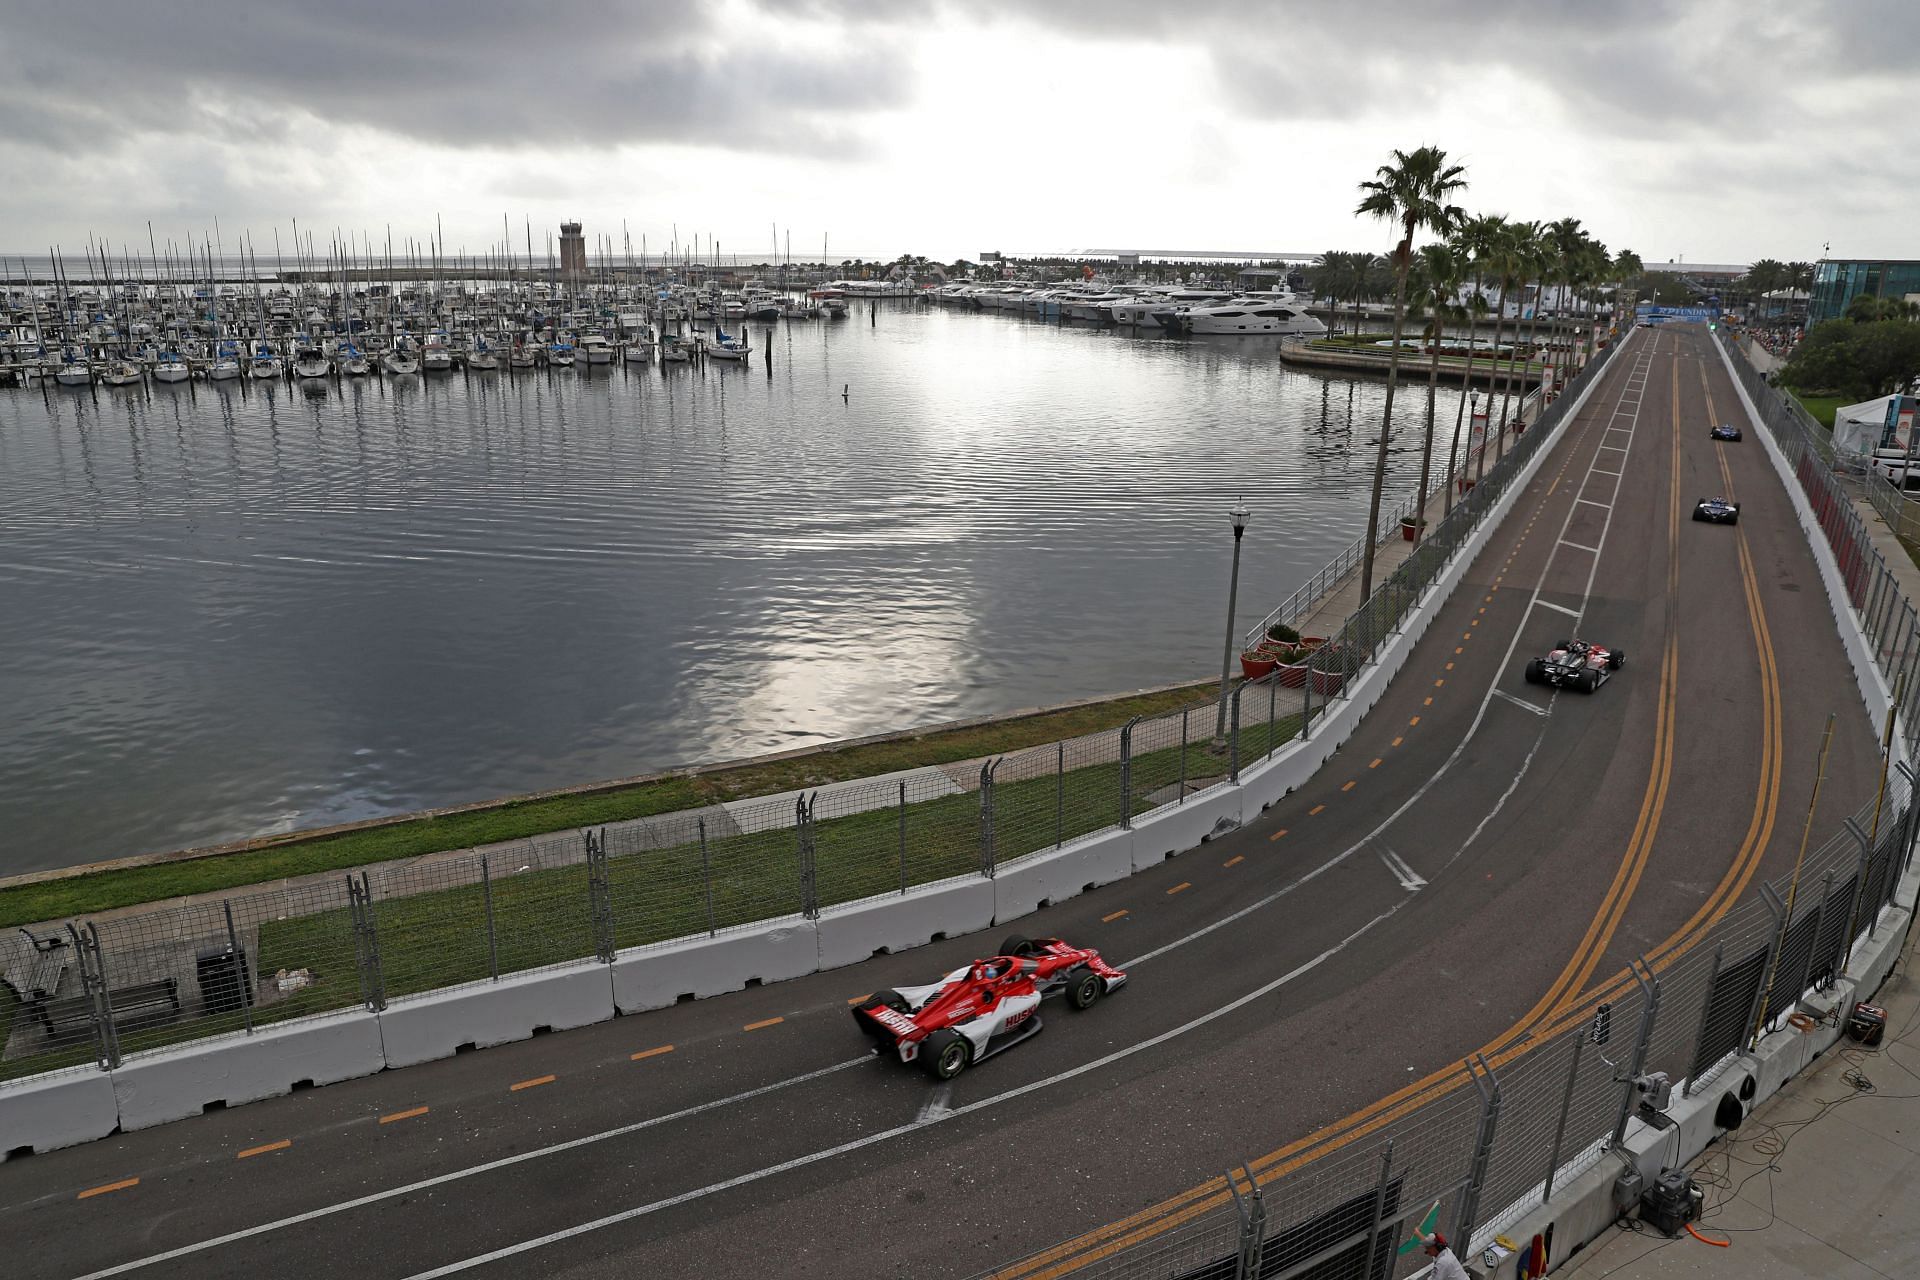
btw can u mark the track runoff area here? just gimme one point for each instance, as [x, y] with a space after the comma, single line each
[1474, 868]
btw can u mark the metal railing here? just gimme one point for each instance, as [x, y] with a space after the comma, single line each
[82, 995]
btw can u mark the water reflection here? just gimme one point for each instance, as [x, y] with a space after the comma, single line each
[245, 606]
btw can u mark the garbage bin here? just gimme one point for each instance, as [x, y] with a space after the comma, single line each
[225, 985]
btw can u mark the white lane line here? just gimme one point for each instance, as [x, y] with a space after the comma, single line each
[1520, 702]
[1397, 867]
[1581, 546]
[455, 1176]
[1558, 608]
[1590, 502]
[1615, 448]
[874, 1139]
[1598, 472]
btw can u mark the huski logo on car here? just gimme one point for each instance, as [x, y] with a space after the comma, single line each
[898, 1023]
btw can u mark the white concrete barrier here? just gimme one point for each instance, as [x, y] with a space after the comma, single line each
[857, 931]
[771, 951]
[1171, 832]
[422, 1028]
[172, 1084]
[57, 1111]
[1042, 879]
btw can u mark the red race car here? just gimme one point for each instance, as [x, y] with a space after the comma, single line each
[990, 1005]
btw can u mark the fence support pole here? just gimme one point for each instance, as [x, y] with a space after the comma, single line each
[1273, 695]
[1912, 816]
[373, 981]
[246, 972]
[1126, 773]
[493, 945]
[93, 981]
[1649, 1011]
[1778, 910]
[1306, 705]
[1489, 1090]
[987, 856]
[1233, 740]
[1060, 794]
[706, 873]
[1380, 1205]
[1182, 797]
[1813, 939]
[1706, 1008]
[803, 835]
[1566, 1105]
[903, 837]
[1860, 865]
[600, 893]
[1252, 1210]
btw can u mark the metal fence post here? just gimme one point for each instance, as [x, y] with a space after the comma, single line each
[1778, 910]
[1060, 795]
[1706, 1007]
[1482, 1149]
[1913, 813]
[803, 836]
[1233, 736]
[233, 949]
[706, 873]
[1650, 1010]
[600, 895]
[1252, 1211]
[1181, 797]
[988, 859]
[1819, 923]
[1126, 773]
[903, 837]
[93, 983]
[1859, 888]
[1273, 723]
[493, 945]
[1566, 1105]
[1380, 1204]
[373, 988]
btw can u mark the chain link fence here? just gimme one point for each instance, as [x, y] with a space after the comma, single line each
[79, 995]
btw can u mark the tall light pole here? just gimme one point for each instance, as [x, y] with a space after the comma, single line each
[1239, 516]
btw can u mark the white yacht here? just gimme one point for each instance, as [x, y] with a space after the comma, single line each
[171, 367]
[1144, 312]
[595, 348]
[399, 358]
[309, 361]
[73, 371]
[226, 363]
[481, 357]
[437, 355]
[121, 372]
[264, 364]
[1251, 315]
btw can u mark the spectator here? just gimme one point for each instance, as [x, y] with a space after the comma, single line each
[1445, 1265]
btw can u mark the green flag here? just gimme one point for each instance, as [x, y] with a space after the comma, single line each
[1427, 1227]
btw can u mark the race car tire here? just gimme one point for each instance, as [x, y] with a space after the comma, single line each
[1588, 681]
[1015, 945]
[1536, 672]
[1734, 516]
[946, 1054]
[1697, 514]
[891, 999]
[1616, 659]
[1084, 988]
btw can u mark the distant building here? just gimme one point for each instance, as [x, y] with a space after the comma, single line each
[1837, 282]
[573, 251]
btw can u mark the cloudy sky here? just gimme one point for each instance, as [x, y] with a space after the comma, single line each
[1709, 130]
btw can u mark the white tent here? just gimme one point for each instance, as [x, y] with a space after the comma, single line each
[1857, 427]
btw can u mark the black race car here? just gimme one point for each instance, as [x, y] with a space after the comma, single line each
[1725, 431]
[1579, 663]
[1717, 511]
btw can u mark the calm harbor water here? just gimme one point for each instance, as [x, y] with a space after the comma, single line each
[233, 609]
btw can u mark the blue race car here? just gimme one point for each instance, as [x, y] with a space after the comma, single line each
[1725, 431]
[1717, 511]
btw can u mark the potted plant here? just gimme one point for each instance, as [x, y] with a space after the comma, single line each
[1256, 664]
[1283, 633]
[1410, 527]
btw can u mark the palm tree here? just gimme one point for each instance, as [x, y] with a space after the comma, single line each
[1414, 192]
[1473, 241]
[1627, 268]
[1332, 273]
[1506, 256]
[1438, 273]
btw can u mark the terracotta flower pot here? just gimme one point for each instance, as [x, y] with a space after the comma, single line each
[1255, 665]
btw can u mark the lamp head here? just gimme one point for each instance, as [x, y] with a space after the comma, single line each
[1239, 515]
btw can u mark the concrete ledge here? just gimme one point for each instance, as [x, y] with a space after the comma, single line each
[176, 1083]
[422, 1028]
[57, 1111]
[1046, 878]
[855, 932]
[1160, 836]
[771, 951]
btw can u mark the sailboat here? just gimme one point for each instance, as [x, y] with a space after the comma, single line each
[726, 347]
[399, 357]
[226, 362]
[171, 367]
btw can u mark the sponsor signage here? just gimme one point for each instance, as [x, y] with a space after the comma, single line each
[1682, 314]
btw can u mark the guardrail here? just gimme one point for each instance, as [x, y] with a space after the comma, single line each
[1492, 1143]
[136, 983]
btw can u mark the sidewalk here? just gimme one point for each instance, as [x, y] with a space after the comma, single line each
[1822, 1181]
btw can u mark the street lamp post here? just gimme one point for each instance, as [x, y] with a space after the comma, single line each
[1239, 516]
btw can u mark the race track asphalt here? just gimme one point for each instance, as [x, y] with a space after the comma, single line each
[1283, 976]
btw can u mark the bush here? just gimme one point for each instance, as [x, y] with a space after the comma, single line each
[1283, 633]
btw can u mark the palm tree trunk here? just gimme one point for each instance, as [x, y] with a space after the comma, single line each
[1426, 446]
[1506, 385]
[1386, 424]
[1466, 384]
[1499, 324]
[1533, 343]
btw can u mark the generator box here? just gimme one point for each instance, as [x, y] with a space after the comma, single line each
[1670, 1203]
[1867, 1024]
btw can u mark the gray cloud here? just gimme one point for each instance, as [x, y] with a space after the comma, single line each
[477, 74]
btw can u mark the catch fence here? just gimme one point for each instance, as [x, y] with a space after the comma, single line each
[89, 994]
